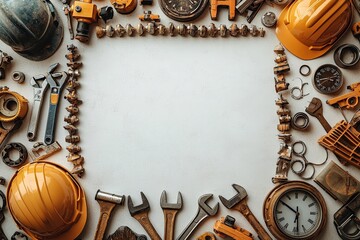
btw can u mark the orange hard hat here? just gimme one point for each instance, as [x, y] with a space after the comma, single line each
[47, 202]
[309, 28]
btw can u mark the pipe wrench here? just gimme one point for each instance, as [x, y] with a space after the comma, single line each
[40, 85]
[56, 83]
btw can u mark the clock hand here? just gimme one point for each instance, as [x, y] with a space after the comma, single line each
[297, 218]
[287, 206]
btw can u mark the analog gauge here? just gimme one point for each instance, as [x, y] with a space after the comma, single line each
[295, 210]
[183, 10]
[328, 79]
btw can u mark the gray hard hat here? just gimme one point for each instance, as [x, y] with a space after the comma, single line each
[31, 27]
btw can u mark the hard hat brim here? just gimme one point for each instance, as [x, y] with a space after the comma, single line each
[292, 44]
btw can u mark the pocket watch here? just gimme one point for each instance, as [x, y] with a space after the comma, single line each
[295, 210]
[183, 10]
[328, 79]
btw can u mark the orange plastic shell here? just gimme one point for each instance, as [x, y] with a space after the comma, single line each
[309, 28]
[47, 202]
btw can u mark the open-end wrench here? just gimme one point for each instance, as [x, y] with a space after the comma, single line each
[204, 211]
[170, 211]
[238, 202]
[141, 214]
[56, 82]
[40, 85]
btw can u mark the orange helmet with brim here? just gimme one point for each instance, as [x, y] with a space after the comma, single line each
[309, 28]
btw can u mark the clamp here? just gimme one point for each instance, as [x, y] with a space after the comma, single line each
[346, 216]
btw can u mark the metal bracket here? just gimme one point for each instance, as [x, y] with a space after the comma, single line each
[41, 151]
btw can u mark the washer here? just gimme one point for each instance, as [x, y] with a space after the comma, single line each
[342, 51]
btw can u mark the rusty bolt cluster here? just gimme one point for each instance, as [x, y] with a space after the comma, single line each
[192, 30]
[72, 119]
[284, 115]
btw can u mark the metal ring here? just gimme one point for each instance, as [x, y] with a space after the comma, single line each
[296, 121]
[302, 171]
[23, 154]
[303, 150]
[305, 70]
[19, 235]
[340, 53]
[18, 77]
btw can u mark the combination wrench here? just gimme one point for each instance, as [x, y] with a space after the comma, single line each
[56, 83]
[204, 211]
[170, 210]
[40, 85]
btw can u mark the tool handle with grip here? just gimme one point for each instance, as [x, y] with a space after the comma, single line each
[323, 122]
[169, 218]
[105, 212]
[201, 215]
[32, 129]
[262, 234]
[51, 121]
[144, 220]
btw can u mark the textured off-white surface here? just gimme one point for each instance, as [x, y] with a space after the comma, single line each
[178, 114]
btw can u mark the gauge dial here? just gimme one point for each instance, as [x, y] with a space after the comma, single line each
[183, 10]
[295, 210]
[328, 79]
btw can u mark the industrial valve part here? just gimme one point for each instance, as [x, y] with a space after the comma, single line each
[5, 60]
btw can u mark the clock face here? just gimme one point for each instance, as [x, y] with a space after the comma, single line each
[183, 10]
[328, 79]
[295, 210]
[297, 213]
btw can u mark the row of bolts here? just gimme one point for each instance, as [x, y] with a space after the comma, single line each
[153, 28]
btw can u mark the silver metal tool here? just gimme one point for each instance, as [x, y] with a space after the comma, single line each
[56, 82]
[40, 85]
[204, 211]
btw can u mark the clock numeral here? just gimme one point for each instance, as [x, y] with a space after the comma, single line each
[288, 196]
[304, 229]
[278, 212]
[311, 204]
[295, 229]
[281, 219]
[313, 213]
[296, 195]
[286, 225]
[305, 197]
[310, 221]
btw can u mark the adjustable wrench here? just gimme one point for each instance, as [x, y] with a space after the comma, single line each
[56, 86]
[141, 214]
[204, 211]
[170, 211]
[238, 202]
[40, 85]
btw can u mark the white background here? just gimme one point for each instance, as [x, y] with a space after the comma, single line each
[178, 114]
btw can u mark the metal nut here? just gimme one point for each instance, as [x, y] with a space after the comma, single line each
[18, 77]
[120, 30]
[212, 30]
[71, 119]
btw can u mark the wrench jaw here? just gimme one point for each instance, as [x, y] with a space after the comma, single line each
[203, 205]
[241, 194]
[144, 207]
[165, 205]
